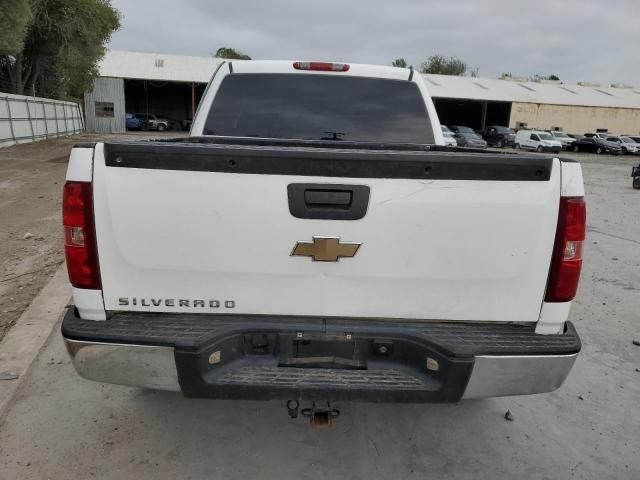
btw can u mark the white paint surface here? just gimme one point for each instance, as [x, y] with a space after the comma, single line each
[446, 250]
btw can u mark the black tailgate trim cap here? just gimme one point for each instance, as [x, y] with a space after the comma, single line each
[329, 162]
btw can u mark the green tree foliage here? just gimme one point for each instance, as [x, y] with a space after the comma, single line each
[533, 78]
[231, 54]
[399, 62]
[446, 66]
[539, 76]
[14, 18]
[64, 41]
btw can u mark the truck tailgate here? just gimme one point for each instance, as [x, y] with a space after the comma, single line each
[211, 228]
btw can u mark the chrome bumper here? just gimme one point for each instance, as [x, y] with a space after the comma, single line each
[498, 376]
[135, 365]
[155, 368]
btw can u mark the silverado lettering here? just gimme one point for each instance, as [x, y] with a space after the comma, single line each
[170, 302]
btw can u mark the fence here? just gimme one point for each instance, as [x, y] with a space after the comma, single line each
[29, 119]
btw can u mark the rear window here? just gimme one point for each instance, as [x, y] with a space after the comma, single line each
[319, 107]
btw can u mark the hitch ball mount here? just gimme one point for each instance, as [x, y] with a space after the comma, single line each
[319, 414]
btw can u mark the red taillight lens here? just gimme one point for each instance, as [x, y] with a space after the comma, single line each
[79, 235]
[566, 261]
[322, 66]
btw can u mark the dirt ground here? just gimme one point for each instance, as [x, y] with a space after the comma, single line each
[31, 180]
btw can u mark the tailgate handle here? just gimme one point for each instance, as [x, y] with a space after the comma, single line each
[328, 198]
[328, 201]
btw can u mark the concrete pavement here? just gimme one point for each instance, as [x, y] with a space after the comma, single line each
[23, 342]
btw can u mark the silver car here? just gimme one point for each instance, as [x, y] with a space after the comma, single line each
[566, 141]
[449, 139]
[627, 144]
[466, 137]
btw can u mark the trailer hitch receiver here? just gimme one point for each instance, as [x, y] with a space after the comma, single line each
[320, 414]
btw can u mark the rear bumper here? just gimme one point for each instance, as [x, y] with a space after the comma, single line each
[552, 149]
[237, 357]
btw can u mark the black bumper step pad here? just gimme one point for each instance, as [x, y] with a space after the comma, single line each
[190, 331]
[321, 378]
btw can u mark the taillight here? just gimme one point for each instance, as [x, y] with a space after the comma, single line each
[322, 66]
[79, 235]
[566, 261]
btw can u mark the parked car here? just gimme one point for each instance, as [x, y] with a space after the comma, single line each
[538, 141]
[466, 137]
[216, 267]
[595, 144]
[602, 135]
[635, 173]
[628, 145]
[635, 138]
[173, 123]
[498, 136]
[133, 122]
[449, 139]
[566, 140]
[153, 122]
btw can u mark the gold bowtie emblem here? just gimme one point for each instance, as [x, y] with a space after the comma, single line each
[325, 249]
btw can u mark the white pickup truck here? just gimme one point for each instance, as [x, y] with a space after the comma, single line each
[313, 239]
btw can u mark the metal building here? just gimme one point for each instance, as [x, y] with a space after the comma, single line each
[171, 86]
[105, 106]
[547, 105]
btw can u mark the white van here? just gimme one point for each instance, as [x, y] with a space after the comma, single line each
[538, 141]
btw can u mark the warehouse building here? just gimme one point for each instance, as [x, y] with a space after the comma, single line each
[170, 86]
[546, 105]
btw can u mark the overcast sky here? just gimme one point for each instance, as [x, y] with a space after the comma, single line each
[590, 40]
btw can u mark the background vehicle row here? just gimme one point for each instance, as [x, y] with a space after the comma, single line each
[144, 121]
[538, 141]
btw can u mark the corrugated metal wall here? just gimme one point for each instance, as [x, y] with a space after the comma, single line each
[574, 119]
[107, 93]
[25, 119]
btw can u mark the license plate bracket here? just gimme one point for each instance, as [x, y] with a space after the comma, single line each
[320, 351]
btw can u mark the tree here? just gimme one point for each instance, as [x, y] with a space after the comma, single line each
[15, 17]
[64, 41]
[399, 62]
[446, 66]
[540, 76]
[231, 53]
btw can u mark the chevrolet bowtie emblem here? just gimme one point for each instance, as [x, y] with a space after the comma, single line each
[325, 249]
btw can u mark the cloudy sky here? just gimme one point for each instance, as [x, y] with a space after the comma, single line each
[577, 40]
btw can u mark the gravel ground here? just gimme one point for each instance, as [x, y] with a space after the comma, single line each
[63, 427]
[31, 180]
